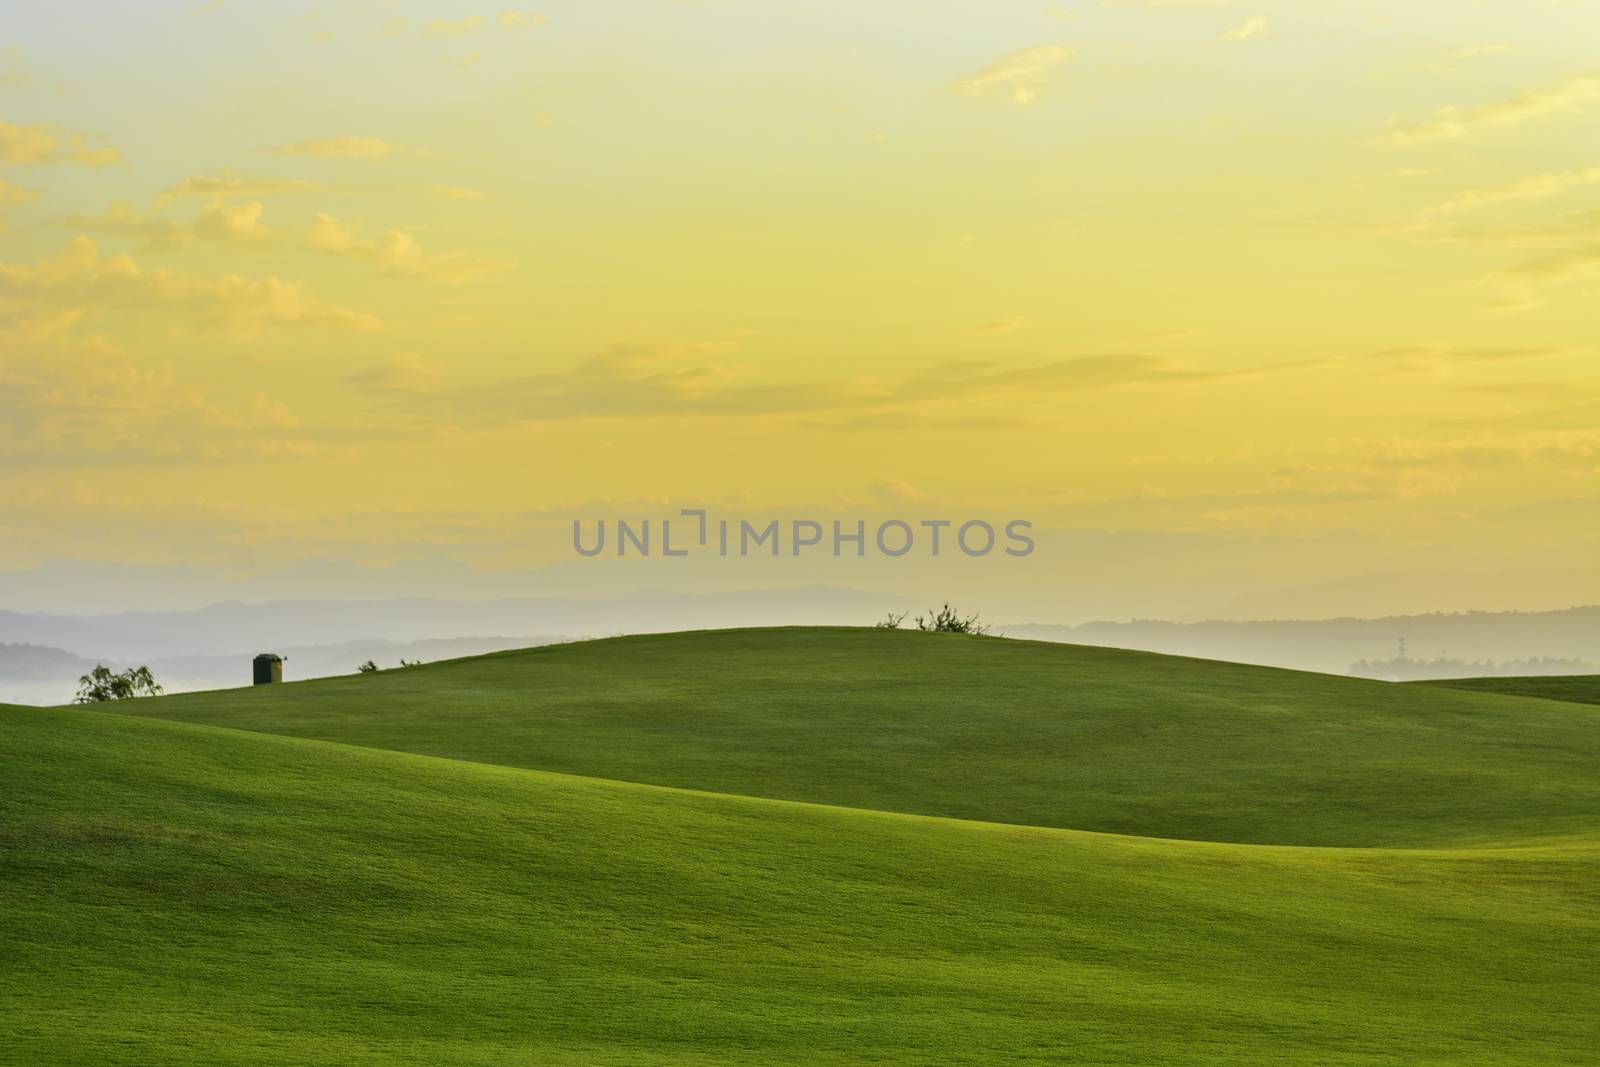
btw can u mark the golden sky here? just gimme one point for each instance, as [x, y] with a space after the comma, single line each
[374, 281]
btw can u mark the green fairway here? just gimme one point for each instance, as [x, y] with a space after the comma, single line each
[1577, 688]
[801, 846]
[978, 728]
[180, 894]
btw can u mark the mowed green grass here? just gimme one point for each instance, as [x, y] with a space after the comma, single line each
[183, 894]
[1576, 688]
[979, 728]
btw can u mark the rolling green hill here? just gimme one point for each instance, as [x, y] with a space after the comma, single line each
[979, 728]
[1577, 689]
[182, 894]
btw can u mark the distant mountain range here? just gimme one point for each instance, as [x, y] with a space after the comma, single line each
[242, 628]
[41, 655]
[1477, 641]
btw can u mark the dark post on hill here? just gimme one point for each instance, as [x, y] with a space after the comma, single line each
[268, 668]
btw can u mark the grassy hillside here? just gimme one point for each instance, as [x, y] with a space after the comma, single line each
[1577, 689]
[979, 728]
[181, 894]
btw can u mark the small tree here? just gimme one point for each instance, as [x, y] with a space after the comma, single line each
[102, 684]
[892, 620]
[367, 667]
[949, 621]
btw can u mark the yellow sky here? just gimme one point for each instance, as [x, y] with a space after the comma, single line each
[376, 280]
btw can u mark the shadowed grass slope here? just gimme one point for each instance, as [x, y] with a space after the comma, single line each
[180, 894]
[1575, 688]
[978, 728]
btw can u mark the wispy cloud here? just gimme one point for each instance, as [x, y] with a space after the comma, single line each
[79, 279]
[42, 143]
[453, 27]
[221, 222]
[1250, 27]
[633, 383]
[1525, 286]
[1478, 51]
[457, 192]
[11, 193]
[517, 20]
[230, 183]
[1019, 76]
[1453, 123]
[79, 404]
[372, 148]
[1434, 358]
[26, 144]
[1170, 4]
[398, 254]
[404, 373]
[1534, 187]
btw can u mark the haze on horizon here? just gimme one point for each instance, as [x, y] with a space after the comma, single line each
[1253, 308]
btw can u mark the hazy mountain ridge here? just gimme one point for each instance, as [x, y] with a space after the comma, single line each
[38, 663]
[211, 647]
[1335, 646]
[235, 627]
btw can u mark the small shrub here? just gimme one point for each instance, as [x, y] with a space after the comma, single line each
[891, 621]
[368, 667]
[102, 684]
[949, 621]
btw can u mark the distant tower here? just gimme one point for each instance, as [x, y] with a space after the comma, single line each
[268, 668]
[1402, 648]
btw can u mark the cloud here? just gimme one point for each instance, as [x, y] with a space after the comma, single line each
[516, 20]
[11, 193]
[398, 254]
[456, 192]
[78, 280]
[1535, 187]
[1454, 123]
[1465, 55]
[453, 28]
[1559, 448]
[1479, 50]
[637, 383]
[79, 152]
[218, 221]
[232, 224]
[1251, 27]
[26, 144]
[404, 373]
[73, 399]
[123, 219]
[1019, 75]
[1168, 4]
[78, 404]
[1524, 286]
[1568, 247]
[230, 183]
[1431, 358]
[44, 143]
[371, 148]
